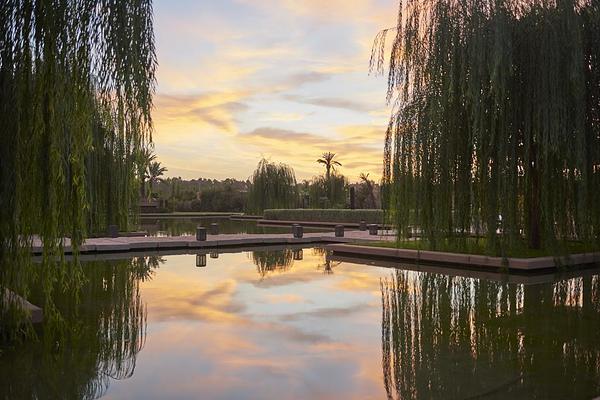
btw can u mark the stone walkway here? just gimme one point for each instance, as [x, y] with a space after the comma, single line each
[488, 274]
[460, 260]
[339, 245]
[124, 244]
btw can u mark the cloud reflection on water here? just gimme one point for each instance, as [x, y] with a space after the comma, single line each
[237, 327]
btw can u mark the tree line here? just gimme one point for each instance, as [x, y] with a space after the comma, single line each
[272, 185]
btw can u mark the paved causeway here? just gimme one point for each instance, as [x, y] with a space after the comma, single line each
[123, 244]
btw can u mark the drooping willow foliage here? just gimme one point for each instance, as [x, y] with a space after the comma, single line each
[76, 86]
[106, 331]
[463, 338]
[328, 191]
[270, 261]
[272, 186]
[496, 129]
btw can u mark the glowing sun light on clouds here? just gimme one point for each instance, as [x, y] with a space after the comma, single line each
[287, 80]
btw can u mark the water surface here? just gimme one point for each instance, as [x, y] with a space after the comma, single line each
[179, 226]
[289, 324]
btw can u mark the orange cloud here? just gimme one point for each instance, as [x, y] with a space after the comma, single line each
[285, 298]
[301, 149]
[211, 110]
[331, 10]
[332, 102]
[228, 76]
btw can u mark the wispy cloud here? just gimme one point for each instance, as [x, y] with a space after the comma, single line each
[217, 110]
[302, 78]
[331, 102]
[241, 79]
[301, 149]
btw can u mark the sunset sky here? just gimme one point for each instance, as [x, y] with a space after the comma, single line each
[283, 79]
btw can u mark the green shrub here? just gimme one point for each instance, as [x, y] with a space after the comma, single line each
[325, 215]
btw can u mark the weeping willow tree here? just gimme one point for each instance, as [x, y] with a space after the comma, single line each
[496, 127]
[463, 338]
[272, 186]
[328, 191]
[76, 86]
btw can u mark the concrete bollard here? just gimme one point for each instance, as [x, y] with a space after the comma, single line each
[363, 225]
[214, 229]
[298, 232]
[113, 231]
[298, 255]
[200, 260]
[200, 234]
[373, 228]
[339, 231]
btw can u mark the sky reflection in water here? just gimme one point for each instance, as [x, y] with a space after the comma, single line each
[187, 226]
[290, 324]
[230, 330]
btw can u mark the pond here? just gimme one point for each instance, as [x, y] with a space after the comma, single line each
[187, 226]
[293, 324]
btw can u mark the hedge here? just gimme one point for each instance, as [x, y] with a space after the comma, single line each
[325, 215]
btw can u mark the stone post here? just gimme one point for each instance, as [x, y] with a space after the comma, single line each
[373, 228]
[298, 255]
[200, 234]
[298, 232]
[113, 231]
[200, 260]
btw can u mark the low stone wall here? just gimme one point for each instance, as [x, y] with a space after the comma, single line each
[325, 215]
[461, 260]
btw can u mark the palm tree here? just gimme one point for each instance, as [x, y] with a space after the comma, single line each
[146, 156]
[154, 173]
[328, 266]
[370, 188]
[327, 159]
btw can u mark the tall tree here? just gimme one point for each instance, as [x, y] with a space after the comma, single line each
[146, 156]
[328, 160]
[272, 186]
[370, 185]
[328, 193]
[76, 84]
[155, 172]
[497, 120]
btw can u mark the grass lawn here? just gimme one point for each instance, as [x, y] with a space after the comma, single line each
[478, 247]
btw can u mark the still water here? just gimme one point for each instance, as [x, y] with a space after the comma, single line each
[187, 226]
[291, 324]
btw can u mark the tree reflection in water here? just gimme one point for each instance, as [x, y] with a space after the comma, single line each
[327, 265]
[97, 339]
[454, 337]
[268, 261]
